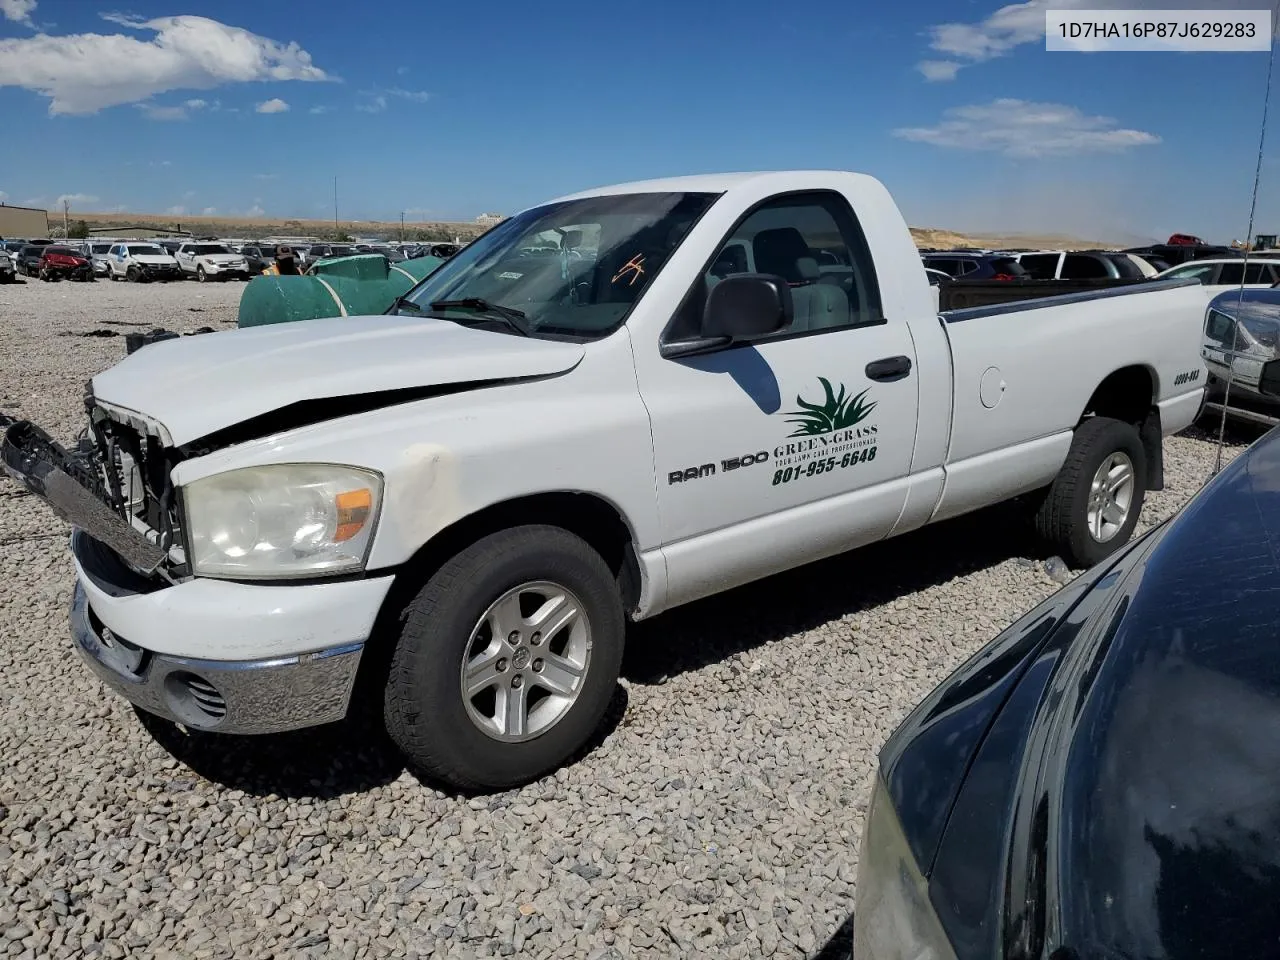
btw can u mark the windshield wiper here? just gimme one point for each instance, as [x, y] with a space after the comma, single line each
[404, 302]
[516, 319]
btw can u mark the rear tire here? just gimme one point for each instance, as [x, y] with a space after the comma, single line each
[1093, 505]
[456, 620]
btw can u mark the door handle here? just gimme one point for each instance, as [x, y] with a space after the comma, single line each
[889, 369]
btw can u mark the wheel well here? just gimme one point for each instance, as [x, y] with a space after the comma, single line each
[1127, 394]
[592, 518]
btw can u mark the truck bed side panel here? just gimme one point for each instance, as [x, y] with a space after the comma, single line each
[1024, 376]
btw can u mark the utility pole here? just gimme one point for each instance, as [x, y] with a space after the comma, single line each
[402, 226]
[66, 227]
[336, 232]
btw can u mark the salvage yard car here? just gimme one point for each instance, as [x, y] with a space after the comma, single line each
[461, 502]
[142, 262]
[211, 261]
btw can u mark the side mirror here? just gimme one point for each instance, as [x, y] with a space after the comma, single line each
[1269, 379]
[747, 306]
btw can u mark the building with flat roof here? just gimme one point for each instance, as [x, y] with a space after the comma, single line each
[26, 223]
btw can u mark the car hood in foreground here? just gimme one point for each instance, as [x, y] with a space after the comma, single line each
[190, 387]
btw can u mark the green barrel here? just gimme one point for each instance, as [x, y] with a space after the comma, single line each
[344, 286]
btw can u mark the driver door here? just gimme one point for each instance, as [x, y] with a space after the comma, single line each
[796, 446]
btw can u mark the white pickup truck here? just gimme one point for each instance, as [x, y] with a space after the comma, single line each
[607, 406]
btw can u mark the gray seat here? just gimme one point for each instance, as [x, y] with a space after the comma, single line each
[818, 305]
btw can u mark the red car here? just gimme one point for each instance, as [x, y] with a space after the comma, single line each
[57, 263]
[1185, 240]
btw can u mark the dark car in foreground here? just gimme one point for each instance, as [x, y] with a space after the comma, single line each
[1102, 780]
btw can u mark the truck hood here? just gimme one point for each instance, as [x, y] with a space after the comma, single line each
[187, 388]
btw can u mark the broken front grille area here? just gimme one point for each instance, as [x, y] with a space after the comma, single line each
[134, 481]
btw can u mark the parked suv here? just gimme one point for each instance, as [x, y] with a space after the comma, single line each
[975, 266]
[211, 261]
[142, 262]
[1080, 265]
[28, 259]
[8, 272]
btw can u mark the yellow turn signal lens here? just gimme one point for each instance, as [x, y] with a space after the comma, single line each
[354, 508]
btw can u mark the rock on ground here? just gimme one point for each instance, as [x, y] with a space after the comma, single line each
[718, 815]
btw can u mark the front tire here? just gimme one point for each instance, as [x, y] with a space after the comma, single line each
[200, 275]
[1092, 507]
[506, 660]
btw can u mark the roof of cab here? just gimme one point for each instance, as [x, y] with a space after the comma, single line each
[698, 183]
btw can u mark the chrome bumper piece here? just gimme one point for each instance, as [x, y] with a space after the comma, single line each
[244, 697]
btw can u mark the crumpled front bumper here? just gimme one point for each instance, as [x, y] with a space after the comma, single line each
[210, 654]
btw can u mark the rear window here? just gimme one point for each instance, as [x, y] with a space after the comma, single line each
[1080, 266]
[1041, 266]
[1126, 267]
[1009, 266]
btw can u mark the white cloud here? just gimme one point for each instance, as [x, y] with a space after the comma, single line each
[19, 11]
[402, 71]
[210, 211]
[417, 96]
[3, 196]
[196, 104]
[153, 112]
[274, 105]
[939, 69]
[188, 195]
[417, 212]
[1017, 24]
[318, 109]
[84, 73]
[376, 105]
[266, 176]
[33, 201]
[1020, 128]
[75, 200]
[255, 211]
[176, 211]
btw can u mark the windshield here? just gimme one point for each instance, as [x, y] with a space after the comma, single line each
[575, 267]
[102, 248]
[201, 249]
[145, 250]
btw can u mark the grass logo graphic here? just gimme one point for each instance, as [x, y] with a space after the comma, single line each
[836, 411]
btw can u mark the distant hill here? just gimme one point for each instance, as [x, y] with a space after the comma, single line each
[252, 227]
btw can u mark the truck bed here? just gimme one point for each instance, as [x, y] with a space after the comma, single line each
[1035, 294]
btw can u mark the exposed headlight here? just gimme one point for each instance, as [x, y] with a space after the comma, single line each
[892, 918]
[282, 520]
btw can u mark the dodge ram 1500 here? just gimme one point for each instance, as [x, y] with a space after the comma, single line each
[609, 405]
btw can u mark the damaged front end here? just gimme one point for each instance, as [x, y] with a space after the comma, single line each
[114, 484]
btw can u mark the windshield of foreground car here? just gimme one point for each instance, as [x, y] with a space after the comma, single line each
[575, 267]
[146, 251]
[207, 248]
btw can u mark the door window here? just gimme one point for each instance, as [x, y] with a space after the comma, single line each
[796, 238]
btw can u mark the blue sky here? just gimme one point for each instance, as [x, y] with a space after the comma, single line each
[447, 110]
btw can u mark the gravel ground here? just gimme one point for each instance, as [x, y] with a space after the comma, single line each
[719, 814]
